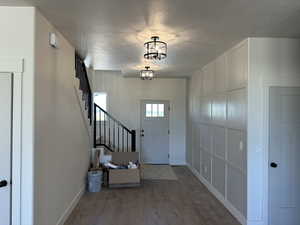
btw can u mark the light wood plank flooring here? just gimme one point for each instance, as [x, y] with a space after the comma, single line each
[182, 202]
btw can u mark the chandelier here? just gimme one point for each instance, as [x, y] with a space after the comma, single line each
[155, 49]
[147, 74]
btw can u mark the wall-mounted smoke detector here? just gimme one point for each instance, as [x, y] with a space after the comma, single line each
[53, 41]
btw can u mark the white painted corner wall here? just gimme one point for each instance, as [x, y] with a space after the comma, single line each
[17, 41]
[55, 142]
[125, 94]
[272, 62]
[62, 137]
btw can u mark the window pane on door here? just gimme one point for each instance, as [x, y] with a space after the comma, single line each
[161, 110]
[148, 110]
[155, 110]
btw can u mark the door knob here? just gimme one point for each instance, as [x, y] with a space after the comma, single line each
[3, 183]
[142, 133]
[273, 165]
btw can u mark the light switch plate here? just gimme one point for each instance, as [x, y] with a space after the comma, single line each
[241, 146]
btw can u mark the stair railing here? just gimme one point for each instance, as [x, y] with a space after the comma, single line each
[111, 133]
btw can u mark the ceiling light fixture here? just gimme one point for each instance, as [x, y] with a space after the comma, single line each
[147, 74]
[155, 49]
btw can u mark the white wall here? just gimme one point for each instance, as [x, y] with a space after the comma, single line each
[55, 141]
[125, 94]
[217, 151]
[17, 41]
[61, 138]
[273, 62]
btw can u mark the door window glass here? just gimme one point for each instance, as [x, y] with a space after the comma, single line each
[148, 110]
[161, 109]
[155, 110]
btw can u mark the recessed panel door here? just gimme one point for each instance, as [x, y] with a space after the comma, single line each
[284, 156]
[155, 132]
[5, 147]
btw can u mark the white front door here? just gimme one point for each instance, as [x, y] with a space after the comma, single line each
[284, 156]
[5, 147]
[155, 132]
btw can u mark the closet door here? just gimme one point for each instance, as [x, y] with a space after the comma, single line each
[5, 147]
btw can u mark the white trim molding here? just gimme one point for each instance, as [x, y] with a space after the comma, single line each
[14, 66]
[71, 207]
[11, 65]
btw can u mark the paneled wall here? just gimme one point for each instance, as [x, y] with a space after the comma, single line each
[218, 126]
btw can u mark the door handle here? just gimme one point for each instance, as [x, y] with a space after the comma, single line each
[273, 165]
[142, 133]
[3, 183]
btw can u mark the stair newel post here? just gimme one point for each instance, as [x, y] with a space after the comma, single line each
[109, 142]
[118, 137]
[123, 139]
[114, 134]
[95, 126]
[127, 141]
[104, 123]
[100, 126]
[133, 141]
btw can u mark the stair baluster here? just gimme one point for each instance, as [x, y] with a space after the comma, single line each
[109, 125]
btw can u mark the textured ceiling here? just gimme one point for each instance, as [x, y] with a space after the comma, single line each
[111, 33]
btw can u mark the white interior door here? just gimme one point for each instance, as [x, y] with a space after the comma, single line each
[5, 147]
[284, 156]
[155, 132]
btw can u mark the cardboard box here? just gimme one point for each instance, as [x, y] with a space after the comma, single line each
[124, 177]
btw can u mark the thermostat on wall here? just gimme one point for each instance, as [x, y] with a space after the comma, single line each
[53, 40]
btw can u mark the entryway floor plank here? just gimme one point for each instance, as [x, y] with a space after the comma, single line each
[163, 202]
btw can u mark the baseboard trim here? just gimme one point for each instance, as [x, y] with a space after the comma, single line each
[225, 202]
[177, 163]
[71, 207]
[255, 223]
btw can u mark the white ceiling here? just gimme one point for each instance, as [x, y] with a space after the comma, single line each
[111, 33]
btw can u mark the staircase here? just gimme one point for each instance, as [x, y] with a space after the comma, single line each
[84, 85]
[108, 132]
[111, 133]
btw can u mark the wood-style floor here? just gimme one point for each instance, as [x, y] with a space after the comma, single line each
[182, 202]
